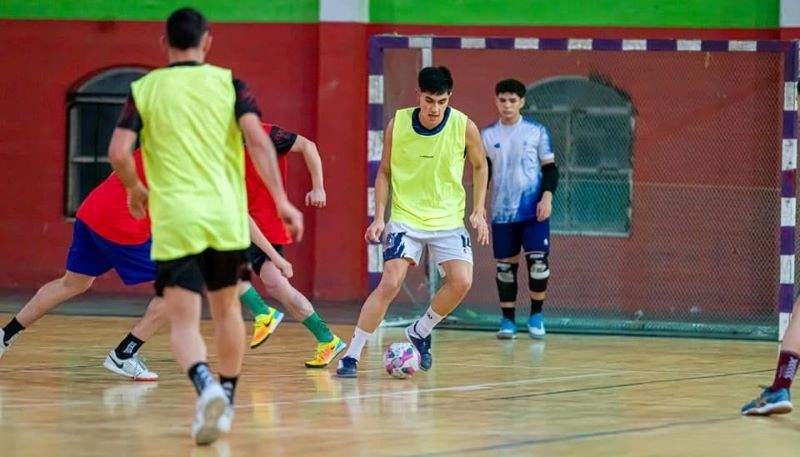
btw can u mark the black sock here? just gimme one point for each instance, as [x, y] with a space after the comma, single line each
[536, 306]
[229, 385]
[508, 313]
[128, 347]
[201, 376]
[11, 329]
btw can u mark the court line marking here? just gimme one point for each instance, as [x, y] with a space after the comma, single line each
[574, 437]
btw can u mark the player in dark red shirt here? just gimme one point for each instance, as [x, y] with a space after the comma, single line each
[263, 211]
[106, 237]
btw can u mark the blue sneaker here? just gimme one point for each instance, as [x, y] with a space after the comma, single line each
[536, 326]
[348, 368]
[769, 402]
[508, 330]
[423, 345]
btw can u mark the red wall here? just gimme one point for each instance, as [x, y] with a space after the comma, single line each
[309, 78]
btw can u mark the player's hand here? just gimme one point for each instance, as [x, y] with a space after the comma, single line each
[545, 207]
[284, 267]
[478, 221]
[293, 219]
[316, 198]
[374, 231]
[137, 200]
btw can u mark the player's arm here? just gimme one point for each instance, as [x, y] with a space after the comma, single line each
[549, 177]
[316, 197]
[480, 180]
[123, 139]
[264, 157]
[257, 237]
[382, 181]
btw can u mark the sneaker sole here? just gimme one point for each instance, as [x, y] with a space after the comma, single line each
[278, 320]
[108, 365]
[536, 336]
[337, 352]
[346, 376]
[506, 336]
[209, 432]
[782, 407]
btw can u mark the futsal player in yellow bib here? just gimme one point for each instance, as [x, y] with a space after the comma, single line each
[424, 152]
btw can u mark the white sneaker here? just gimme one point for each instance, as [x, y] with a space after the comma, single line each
[133, 368]
[3, 345]
[211, 407]
[226, 420]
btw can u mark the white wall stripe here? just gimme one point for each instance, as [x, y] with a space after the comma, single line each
[742, 45]
[375, 258]
[371, 201]
[374, 145]
[790, 96]
[789, 155]
[526, 43]
[420, 42]
[634, 45]
[689, 45]
[376, 88]
[788, 211]
[473, 43]
[783, 324]
[787, 269]
[344, 11]
[576, 43]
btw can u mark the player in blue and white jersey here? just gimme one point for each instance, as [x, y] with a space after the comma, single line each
[524, 178]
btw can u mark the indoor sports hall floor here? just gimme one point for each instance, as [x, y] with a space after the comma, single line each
[567, 396]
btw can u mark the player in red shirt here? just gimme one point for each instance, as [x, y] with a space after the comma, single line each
[263, 212]
[105, 237]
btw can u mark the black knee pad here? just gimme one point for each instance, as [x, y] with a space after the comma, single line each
[538, 271]
[506, 280]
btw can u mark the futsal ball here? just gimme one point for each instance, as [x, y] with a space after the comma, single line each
[401, 360]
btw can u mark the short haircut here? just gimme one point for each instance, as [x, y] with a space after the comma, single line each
[510, 86]
[185, 28]
[435, 80]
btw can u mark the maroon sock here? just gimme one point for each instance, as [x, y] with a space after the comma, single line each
[787, 368]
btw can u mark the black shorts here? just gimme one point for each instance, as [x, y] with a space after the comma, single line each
[215, 269]
[259, 257]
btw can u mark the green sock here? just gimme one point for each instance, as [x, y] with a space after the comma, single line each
[317, 326]
[254, 302]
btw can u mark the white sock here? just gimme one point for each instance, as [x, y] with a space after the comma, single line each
[360, 338]
[423, 326]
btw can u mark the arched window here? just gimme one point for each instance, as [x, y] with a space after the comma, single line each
[93, 108]
[591, 125]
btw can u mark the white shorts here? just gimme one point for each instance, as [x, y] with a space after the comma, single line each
[404, 242]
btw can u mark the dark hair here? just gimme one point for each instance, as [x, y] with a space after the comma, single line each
[510, 86]
[185, 28]
[435, 80]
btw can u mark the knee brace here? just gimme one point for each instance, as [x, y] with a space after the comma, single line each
[507, 281]
[539, 271]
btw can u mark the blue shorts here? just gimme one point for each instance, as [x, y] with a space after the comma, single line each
[531, 235]
[92, 255]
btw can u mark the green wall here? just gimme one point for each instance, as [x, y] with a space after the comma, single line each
[750, 14]
[215, 10]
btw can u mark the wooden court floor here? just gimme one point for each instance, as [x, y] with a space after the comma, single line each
[567, 396]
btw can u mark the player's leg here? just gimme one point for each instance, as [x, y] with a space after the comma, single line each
[134, 266]
[124, 359]
[223, 269]
[453, 253]
[85, 261]
[400, 251]
[180, 283]
[776, 399]
[266, 318]
[506, 242]
[300, 308]
[536, 244]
